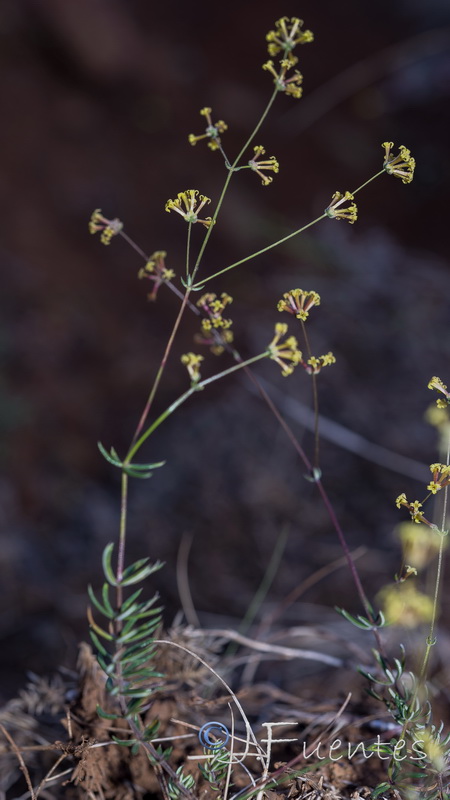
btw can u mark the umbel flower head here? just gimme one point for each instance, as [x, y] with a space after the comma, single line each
[268, 165]
[402, 165]
[212, 131]
[192, 362]
[108, 227]
[287, 34]
[298, 302]
[214, 307]
[441, 477]
[414, 508]
[291, 85]
[336, 209]
[316, 363]
[286, 353]
[156, 271]
[215, 330]
[437, 384]
[189, 206]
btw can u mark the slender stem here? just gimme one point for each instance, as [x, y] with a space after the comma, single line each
[295, 443]
[328, 505]
[259, 252]
[210, 229]
[122, 537]
[180, 400]
[133, 244]
[231, 169]
[256, 129]
[377, 175]
[315, 400]
[284, 239]
[159, 375]
[188, 247]
[431, 638]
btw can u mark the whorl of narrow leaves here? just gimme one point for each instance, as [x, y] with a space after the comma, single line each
[187, 781]
[124, 645]
[215, 768]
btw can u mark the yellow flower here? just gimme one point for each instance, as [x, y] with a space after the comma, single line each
[414, 508]
[214, 307]
[401, 500]
[402, 165]
[108, 227]
[192, 206]
[441, 473]
[291, 85]
[192, 361]
[286, 353]
[403, 604]
[259, 166]
[334, 210]
[298, 302]
[287, 34]
[156, 271]
[314, 365]
[212, 131]
[436, 383]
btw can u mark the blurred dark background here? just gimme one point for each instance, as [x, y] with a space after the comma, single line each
[98, 98]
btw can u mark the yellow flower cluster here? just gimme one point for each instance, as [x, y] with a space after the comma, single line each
[212, 131]
[337, 211]
[437, 384]
[285, 353]
[192, 362]
[156, 271]
[270, 164]
[414, 508]
[298, 302]
[215, 331]
[289, 84]
[441, 477]
[314, 365]
[108, 227]
[287, 34]
[402, 165]
[189, 206]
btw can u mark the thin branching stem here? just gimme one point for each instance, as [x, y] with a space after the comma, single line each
[315, 401]
[182, 399]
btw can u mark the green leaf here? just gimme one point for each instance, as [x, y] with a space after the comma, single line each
[105, 715]
[106, 602]
[146, 648]
[130, 600]
[107, 666]
[359, 621]
[112, 459]
[140, 575]
[382, 787]
[151, 730]
[140, 674]
[125, 742]
[103, 610]
[98, 643]
[107, 566]
[134, 473]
